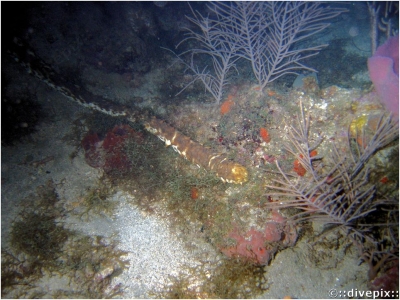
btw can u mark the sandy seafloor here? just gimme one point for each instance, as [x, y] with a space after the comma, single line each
[156, 249]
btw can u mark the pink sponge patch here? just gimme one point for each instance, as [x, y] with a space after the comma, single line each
[259, 246]
[388, 281]
[273, 232]
[109, 154]
[383, 69]
[250, 245]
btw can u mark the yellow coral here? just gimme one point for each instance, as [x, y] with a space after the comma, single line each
[358, 124]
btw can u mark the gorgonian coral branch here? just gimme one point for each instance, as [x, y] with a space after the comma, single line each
[336, 193]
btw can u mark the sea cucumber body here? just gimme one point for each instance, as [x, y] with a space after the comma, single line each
[196, 153]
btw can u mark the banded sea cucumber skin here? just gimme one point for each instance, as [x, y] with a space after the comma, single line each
[196, 153]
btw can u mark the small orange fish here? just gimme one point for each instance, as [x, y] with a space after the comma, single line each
[313, 153]
[298, 167]
[227, 104]
[384, 179]
[265, 135]
[194, 193]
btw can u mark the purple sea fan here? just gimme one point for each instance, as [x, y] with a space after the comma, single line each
[336, 193]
